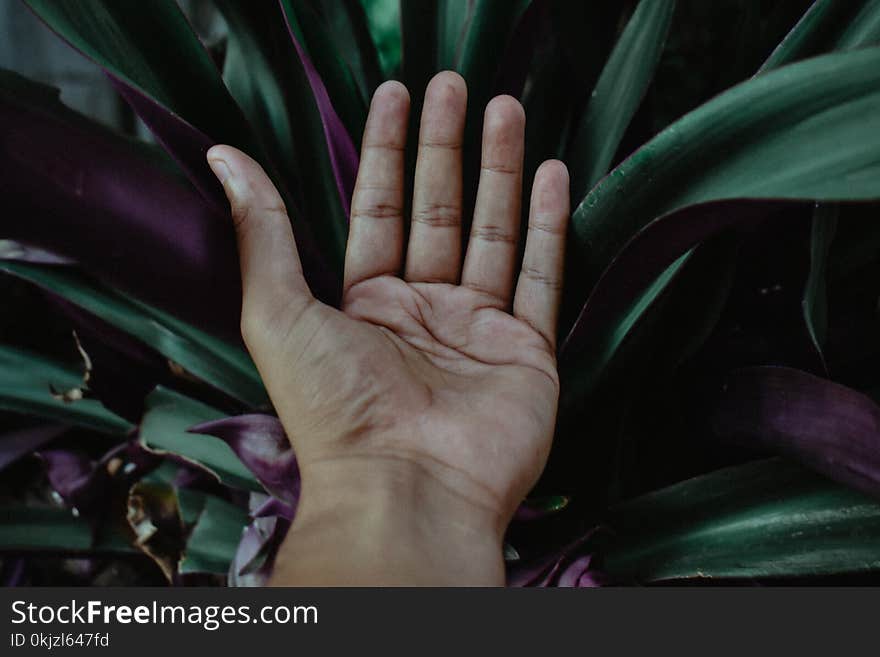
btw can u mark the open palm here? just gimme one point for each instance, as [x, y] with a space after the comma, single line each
[445, 367]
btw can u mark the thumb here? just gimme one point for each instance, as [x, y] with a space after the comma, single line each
[270, 264]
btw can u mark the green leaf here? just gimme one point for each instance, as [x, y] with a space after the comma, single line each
[845, 28]
[488, 30]
[324, 52]
[729, 179]
[264, 74]
[174, 69]
[584, 371]
[350, 34]
[164, 428]
[863, 30]
[815, 302]
[58, 531]
[829, 25]
[805, 131]
[764, 519]
[216, 362]
[484, 43]
[249, 75]
[663, 327]
[618, 93]
[452, 19]
[384, 23]
[25, 380]
[214, 540]
[485, 40]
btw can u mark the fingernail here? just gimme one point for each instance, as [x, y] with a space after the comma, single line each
[220, 169]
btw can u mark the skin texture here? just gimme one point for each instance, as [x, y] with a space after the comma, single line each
[422, 412]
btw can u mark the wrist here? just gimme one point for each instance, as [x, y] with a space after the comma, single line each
[388, 520]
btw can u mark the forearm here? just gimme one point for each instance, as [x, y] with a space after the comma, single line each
[363, 524]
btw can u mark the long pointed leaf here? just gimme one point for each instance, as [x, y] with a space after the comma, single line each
[350, 33]
[112, 204]
[452, 20]
[330, 76]
[836, 26]
[266, 76]
[636, 279]
[815, 302]
[805, 131]
[53, 531]
[765, 519]
[171, 81]
[343, 156]
[262, 445]
[828, 427]
[624, 80]
[165, 428]
[603, 345]
[25, 381]
[218, 363]
[829, 25]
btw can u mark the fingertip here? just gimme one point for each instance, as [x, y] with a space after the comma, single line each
[228, 162]
[392, 94]
[448, 89]
[555, 169]
[504, 111]
[552, 177]
[388, 116]
[550, 191]
[220, 152]
[217, 157]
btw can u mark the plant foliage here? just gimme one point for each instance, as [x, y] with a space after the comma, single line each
[720, 303]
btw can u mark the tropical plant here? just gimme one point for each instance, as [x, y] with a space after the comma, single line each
[718, 277]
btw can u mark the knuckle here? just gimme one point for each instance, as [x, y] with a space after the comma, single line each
[240, 213]
[550, 224]
[441, 143]
[542, 278]
[377, 210]
[501, 168]
[492, 233]
[439, 215]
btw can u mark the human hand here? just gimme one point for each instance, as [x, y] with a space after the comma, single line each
[422, 412]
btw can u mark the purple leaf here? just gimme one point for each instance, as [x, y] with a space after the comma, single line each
[578, 574]
[88, 486]
[272, 506]
[255, 557]
[181, 140]
[566, 568]
[253, 539]
[69, 473]
[189, 146]
[21, 442]
[261, 444]
[343, 154]
[828, 427]
[79, 191]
